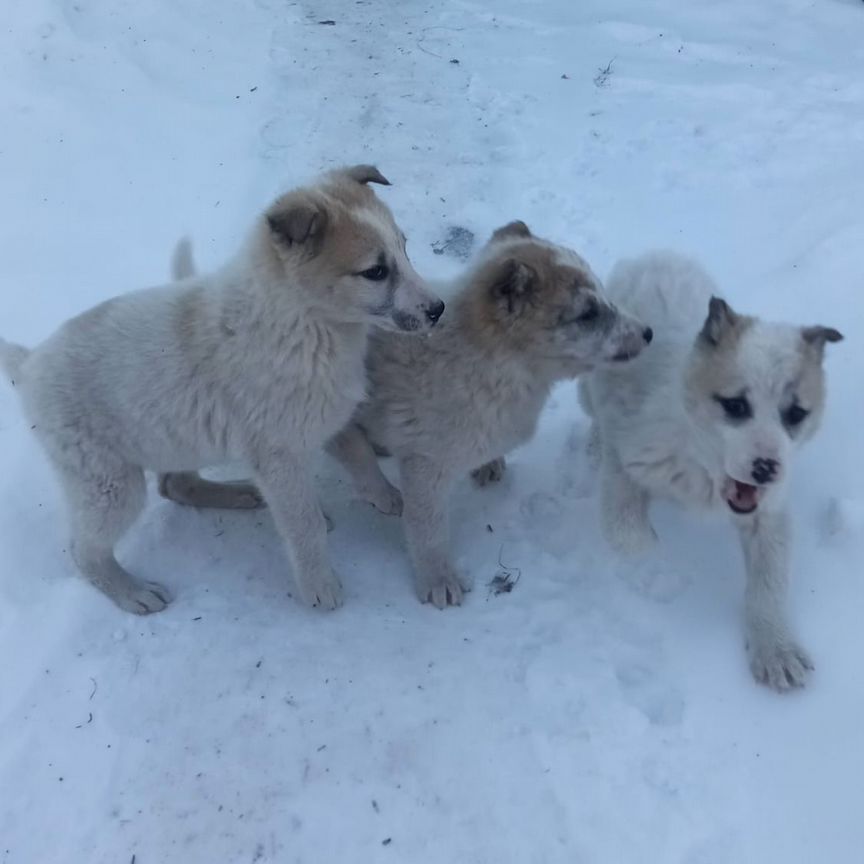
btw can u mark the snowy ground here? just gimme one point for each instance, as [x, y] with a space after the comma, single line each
[588, 715]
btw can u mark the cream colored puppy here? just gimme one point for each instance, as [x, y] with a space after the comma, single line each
[261, 362]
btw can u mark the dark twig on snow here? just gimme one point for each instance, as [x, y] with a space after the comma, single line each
[604, 73]
[503, 582]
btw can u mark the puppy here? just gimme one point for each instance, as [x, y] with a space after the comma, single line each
[527, 315]
[261, 361]
[710, 416]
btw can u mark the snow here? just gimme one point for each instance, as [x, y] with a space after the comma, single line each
[594, 713]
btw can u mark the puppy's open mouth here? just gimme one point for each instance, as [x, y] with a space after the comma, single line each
[624, 356]
[742, 498]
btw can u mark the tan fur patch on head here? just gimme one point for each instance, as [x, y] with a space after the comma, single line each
[511, 230]
[335, 229]
[522, 288]
[773, 366]
[723, 326]
[337, 246]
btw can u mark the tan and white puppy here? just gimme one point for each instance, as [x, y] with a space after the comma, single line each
[710, 416]
[261, 362]
[528, 314]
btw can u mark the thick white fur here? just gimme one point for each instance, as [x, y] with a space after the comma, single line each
[662, 432]
[258, 362]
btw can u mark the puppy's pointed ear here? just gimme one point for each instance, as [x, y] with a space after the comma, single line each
[516, 228]
[513, 284]
[817, 336]
[721, 322]
[297, 220]
[366, 174]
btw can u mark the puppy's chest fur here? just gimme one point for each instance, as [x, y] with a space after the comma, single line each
[500, 413]
[643, 416]
[661, 458]
[305, 383]
[443, 398]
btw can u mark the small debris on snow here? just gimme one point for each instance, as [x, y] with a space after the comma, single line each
[457, 243]
[505, 579]
[604, 73]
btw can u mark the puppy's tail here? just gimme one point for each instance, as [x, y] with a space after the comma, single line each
[12, 357]
[182, 262]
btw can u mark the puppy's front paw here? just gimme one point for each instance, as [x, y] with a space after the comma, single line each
[781, 665]
[143, 598]
[324, 591]
[386, 498]
[491, 472]
[442, 588]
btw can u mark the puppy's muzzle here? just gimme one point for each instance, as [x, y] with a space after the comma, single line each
[424, 318]
[765, 470]
[633, 344]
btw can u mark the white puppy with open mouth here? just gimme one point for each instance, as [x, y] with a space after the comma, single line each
[710, 416]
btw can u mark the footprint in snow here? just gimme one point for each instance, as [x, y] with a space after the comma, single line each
[661, 705]
[654, 577]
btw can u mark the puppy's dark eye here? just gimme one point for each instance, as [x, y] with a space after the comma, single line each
[735, 407]
[794, 415]
[378, 273]
[590, 314]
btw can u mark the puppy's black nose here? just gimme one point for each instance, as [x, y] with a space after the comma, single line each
[434, 312]
[647, 335]
[765, 470]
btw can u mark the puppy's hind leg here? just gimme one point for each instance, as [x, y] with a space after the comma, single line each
[103, 501]
[284, 480]
[352, 448]
[624, 508]
[192, 490]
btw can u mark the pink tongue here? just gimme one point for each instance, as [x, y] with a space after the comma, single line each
[744, 496]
